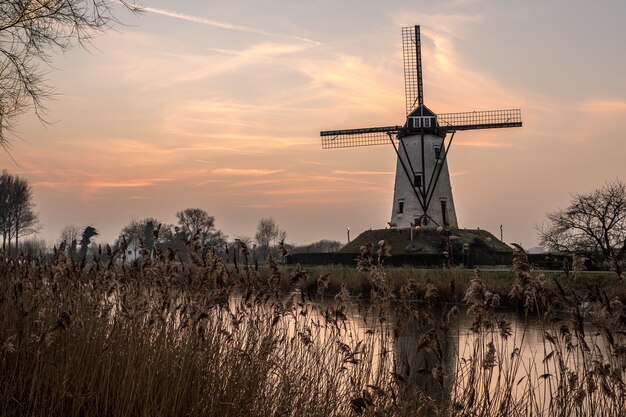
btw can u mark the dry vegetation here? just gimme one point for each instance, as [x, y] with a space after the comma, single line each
[453, 283]
[161, 337]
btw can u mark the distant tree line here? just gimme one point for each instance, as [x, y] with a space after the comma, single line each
[141, 236]
[195, 228]
[321, 246]
[17, 212]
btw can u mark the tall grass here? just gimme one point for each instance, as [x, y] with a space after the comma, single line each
[453, 283]
[162, 337]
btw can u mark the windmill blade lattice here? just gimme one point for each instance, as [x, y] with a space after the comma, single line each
[350, 138]
[489, 119]
[412, 54]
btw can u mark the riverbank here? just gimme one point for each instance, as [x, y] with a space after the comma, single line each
[452, 284]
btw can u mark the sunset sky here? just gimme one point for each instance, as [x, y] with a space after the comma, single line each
[218, 105]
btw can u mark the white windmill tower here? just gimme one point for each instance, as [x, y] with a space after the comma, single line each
[422, 193]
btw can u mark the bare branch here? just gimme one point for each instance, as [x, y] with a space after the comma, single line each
[31, 31]
[593, 222]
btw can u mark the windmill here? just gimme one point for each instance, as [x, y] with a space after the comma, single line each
[422, 193]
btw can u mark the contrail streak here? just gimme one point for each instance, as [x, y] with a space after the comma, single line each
[223, 25]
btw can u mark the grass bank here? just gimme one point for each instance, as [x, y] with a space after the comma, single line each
[453, 283]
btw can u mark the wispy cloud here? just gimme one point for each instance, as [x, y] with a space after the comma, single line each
[204, 21]
[485, 144]
[225, 25]
[246, 172]
[309, 162]
[604, 106]
[124, 184]
[346, 172]
[207, 182]
[350, 83]
[162, 68]
[47, 184]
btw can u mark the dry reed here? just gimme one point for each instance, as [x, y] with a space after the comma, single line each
[164, 337]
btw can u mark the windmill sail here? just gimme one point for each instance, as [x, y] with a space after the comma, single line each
[412, 53]
[489, 119]
[350, 138]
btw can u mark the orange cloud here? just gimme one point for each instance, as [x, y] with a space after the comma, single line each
[350, 83]
[47, 184]
[484, 144]
[246, 172]
[124, 184]
[346, 172]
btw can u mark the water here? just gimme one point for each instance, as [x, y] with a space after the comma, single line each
[540, 365]
[505, 361]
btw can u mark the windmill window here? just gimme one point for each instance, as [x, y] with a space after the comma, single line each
[437, 153]
[400, 206]
[426, 121]
[417, 180]
[416, 121]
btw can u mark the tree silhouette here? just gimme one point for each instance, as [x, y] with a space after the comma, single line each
[17, 215]
[593, 223]
[85, 240]
[68, 235]
[267, 236]
[140, 234]
[196, 223]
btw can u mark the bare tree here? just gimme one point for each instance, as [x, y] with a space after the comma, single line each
[198, 224]
[30, 32]
[35, 246]
[195, 222]
[267, 235]
[593, 223]
[69, 234]
[6, 184]
[17, 215]
[25, 220]
[135, 232]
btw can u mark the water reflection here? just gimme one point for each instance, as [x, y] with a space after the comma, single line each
[495, 361]
[459, 359]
